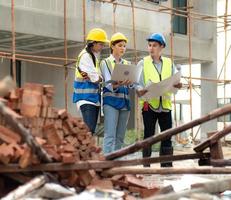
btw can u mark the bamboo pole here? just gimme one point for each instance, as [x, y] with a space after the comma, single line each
[38, 62]
[13, 41]
[169, 171]
[172, 55]
[65, 55]
[8, 56]
[225, 49]
[95, 164]
[168, 133]
[190, 62]
[135, 53]
[84, 20]
[226, 56]
[220, 162]
[213, 139]
[202, 17]
[114, 17]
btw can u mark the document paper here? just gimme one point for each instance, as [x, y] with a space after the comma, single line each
[159, 89]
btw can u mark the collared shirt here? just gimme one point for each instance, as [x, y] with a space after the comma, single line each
[107, 74]
[142, 84]
[86, 64]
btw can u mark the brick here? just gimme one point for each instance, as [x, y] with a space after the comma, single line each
[4, 159]
[65, 129]
[30, 111]
[40, 141]
[133, 181]
[145, 193]
[68, 158]
[68, 148]
[31, 98]
[18, 151]
[36, 87]
[26, 159]
[129, 197]
[101, 184]
[44, 101]
[6, 150]
[53, 153]
[9, 136]
[43, 112]
[60, 133]
[58, 124]
[73, 180]
[62, 113]
[85, 177]
[49, 89]
[51, 135]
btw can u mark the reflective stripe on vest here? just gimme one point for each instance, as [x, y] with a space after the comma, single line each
[85, 89]
[152, 74]
[120, 98]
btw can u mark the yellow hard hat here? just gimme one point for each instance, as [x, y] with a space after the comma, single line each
[98, 35]
[118, 36]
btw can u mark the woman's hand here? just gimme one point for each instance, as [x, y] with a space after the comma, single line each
[141, 93]
[178, 85]
[84, 75]
[125, 82]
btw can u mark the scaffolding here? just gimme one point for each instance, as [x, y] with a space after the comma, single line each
[223, 22]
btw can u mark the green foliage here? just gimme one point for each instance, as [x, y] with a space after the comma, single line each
[132, 136]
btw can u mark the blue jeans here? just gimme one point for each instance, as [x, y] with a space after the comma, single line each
[115, 124]
[90, 115]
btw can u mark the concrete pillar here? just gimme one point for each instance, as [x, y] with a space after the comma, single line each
[208, 96]
[209, 70]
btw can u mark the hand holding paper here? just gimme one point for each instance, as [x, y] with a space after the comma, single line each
[156, 90]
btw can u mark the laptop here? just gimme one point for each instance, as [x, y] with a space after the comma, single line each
[123, 72]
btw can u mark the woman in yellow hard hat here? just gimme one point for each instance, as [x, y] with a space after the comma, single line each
[116, 103]
[87, 77]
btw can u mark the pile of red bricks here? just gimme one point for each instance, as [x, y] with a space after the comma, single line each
[65, 138]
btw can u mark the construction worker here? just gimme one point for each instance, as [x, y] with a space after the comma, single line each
[156, 68]
[87, 77]
[116, 104]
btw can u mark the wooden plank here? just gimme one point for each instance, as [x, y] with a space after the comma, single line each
[92, 164]
[168, 133]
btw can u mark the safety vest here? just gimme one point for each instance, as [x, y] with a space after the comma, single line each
[152, 74]
[118, 99]
[85, 89]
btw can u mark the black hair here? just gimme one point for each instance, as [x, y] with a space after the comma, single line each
[89, 50]
[114, 43]
[157, 42]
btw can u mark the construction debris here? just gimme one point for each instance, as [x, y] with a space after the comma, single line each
[35, 138]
